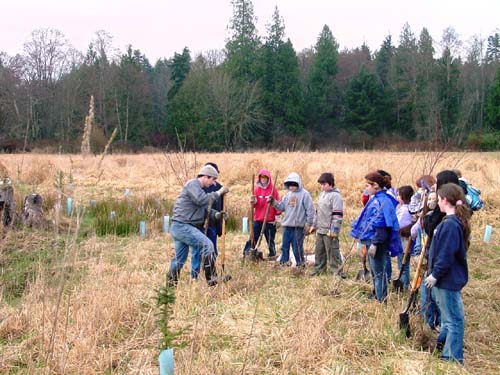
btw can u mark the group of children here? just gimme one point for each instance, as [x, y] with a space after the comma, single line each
[391, 219]
[300, 219]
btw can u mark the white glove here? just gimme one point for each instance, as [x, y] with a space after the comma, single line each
[372, 250]
[430, 281]
[223, 190]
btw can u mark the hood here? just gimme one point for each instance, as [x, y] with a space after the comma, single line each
[294, 177]
[264, 172]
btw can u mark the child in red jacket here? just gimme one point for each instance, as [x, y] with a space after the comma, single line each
[263, 188]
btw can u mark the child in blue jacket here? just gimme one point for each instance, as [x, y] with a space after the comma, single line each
[377, 228]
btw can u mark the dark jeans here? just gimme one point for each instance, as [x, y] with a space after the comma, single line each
[196, 256]
[378, 265]
[293, 236]
[269, 234]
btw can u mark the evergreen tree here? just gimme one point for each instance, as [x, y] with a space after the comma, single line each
[280, 82]
[243, 46]
[321, 95]
[385, 70]
[405, 81]
[493, 49]
[133, 98]
[426, 110]
[179, 71]
[493, 104]
[449, 89]
[364, 98]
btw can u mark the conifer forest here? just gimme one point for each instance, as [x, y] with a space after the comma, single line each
[414, 91]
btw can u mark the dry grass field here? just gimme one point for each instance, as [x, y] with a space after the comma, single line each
[85, 303]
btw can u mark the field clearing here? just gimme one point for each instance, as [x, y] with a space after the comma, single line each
[93, 310]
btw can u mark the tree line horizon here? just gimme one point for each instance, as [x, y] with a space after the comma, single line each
[256, 93]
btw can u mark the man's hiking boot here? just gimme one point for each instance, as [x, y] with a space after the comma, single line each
[172, 278]
[211, 272]
[272, 258]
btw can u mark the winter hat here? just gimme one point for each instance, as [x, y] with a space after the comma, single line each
[208, 170]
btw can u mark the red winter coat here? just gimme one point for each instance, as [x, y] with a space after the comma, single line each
[261, 193]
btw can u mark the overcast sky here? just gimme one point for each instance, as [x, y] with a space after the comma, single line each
[161, 27]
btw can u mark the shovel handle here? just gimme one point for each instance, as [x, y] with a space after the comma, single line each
[405, 258]
[418, 277]
[223, 236]
[252, 240]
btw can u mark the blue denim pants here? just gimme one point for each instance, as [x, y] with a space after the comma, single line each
[269, 234]
[428, 307]
[452, 323]
[293, 236]
[185, 236]
[378, 265]
[196, 255]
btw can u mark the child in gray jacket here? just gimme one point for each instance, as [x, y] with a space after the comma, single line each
[299, 215]
[327, 222]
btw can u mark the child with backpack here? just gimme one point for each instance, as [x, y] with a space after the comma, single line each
[327, 222]
[299, 216]
[448, 270]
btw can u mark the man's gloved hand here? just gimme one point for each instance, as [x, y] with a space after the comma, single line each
[430, 281]
[372, 250]
[270, 199]
[219, 215]
[253, 199]
[223, 190]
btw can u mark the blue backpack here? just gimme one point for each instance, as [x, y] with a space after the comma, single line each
[473, 198]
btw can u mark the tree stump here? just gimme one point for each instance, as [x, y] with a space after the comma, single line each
[33, 216]
[7, 203]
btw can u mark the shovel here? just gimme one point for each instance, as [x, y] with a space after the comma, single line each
[364, 274]
[404, 317]
[254, 253]
[397, 284]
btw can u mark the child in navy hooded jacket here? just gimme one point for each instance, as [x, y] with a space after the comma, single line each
[448, 270]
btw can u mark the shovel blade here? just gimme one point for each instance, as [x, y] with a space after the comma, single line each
[254, 255]
[404, 323]
[361, 276]
[397, 285]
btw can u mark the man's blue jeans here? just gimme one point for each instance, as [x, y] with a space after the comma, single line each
[293, 236]
[196, 255]
[452, 323]
[185, 236]
[269, 234]
[378, 265]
